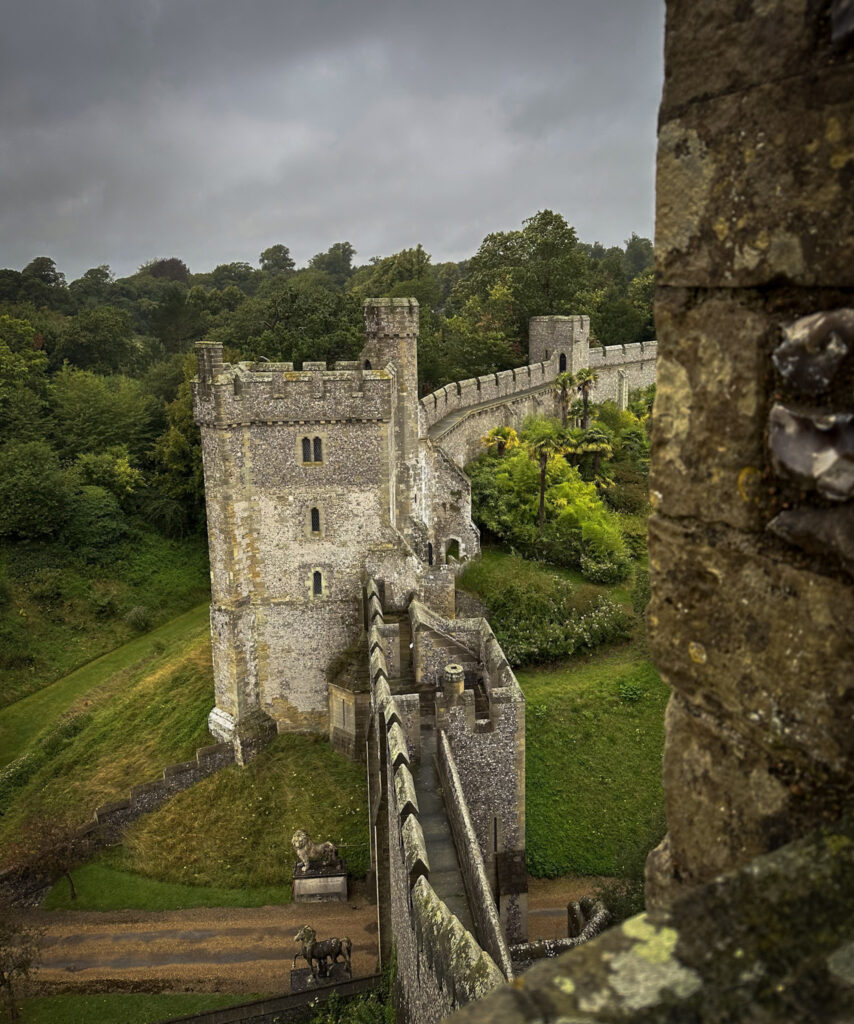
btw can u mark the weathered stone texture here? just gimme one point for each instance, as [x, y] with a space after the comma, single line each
[732, 46]
[755, 186]
[709, 416]
[742, 634]
[767, 944]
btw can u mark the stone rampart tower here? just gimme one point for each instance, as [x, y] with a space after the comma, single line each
[319, 479]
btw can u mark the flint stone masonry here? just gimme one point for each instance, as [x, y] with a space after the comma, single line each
[318, 479]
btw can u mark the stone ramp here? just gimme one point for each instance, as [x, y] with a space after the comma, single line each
[445, 875]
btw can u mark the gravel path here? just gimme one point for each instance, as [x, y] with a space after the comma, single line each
[230, 949]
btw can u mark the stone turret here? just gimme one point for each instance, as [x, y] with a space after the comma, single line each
[563, 340]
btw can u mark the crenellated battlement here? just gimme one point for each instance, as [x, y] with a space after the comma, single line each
[259, 392]
[611, 355]
[467, 394]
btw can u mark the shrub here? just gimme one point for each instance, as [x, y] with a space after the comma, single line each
[96, 523]
[539, 616]
[579, 531]
[139, 618]
[623, 897]
[629, 691]
[33, 492]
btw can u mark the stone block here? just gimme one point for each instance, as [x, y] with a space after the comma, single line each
[756, 640]
[728, 46]
[320, 887]
[755, 188]
[710, 408]
[728, 799]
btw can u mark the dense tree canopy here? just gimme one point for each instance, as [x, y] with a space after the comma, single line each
[95, 413]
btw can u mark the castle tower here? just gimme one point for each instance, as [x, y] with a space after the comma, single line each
[563, 340]
[309, 483]
[391, 326]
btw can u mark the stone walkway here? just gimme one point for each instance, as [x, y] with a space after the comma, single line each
[445, 875]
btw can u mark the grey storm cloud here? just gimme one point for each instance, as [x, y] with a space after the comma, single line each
[209, 129]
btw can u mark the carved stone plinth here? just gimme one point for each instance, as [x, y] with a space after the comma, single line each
[303, 981]
[320, 884]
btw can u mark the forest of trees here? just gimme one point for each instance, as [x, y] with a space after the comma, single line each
[96, 428]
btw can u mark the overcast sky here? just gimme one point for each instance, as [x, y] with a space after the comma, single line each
[211, 129]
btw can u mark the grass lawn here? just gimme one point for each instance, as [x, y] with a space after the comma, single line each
[595, 736]
[101, 886]
[23, 721]
[122, 1008]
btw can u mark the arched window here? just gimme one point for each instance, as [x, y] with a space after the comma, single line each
[367, 364]
[429, 553]
[306, 449]
[562, 363]
[453, 549]
[318, 450]
[317, 584]
[315, 520]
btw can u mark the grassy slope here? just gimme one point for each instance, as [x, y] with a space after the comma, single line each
[121, 1008]
[64, 612]
[23, 721]
[595, 802]
[134, 724]
[235, 828]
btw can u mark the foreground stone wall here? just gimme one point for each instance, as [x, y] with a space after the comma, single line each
[751, 896]
[754, 230]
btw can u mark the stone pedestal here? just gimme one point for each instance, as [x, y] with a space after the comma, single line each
[320, 884]
[303, 980]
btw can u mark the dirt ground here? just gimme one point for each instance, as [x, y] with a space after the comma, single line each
[231, 949]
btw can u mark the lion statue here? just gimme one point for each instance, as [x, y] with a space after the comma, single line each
[313, 854]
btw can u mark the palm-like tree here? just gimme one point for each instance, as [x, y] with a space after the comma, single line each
[543, 441]
[596, 441]
[563, 385]
[501, 438]
[584, 380]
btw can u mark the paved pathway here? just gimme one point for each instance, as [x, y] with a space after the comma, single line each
[249, 950]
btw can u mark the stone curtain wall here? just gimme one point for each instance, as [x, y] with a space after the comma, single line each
[480, 898]
[458, 415]
[621, 369]
[440, 965]
[466, 394]
[460, 437]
